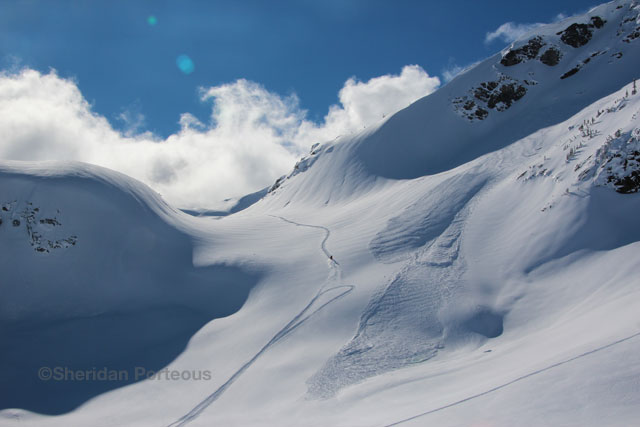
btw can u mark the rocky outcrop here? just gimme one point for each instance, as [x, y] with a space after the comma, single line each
[528, 51]
[301, 165]
[577, 35]
[619, 160]
[498, 95]
[577, 68]
[39, 229]
[570, 73]
[632, 35]
[551, 57]
[531, 50]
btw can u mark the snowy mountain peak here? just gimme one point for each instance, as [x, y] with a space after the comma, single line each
[541, 79]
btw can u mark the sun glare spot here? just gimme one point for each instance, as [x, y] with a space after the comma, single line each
[185, 64]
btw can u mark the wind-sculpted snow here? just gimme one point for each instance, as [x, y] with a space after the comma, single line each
[420, 309]
[426, 219]
[124, 285]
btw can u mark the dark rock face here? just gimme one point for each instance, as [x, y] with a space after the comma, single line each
[531, 50]
[584, 62]
[484, 91]
[38, 229]
[551, 57]
[481, 113]
[277, 184]
[597, 22]
[630, 182]
[301, 166]
[576, 35]
[470, 109]
[528, 51]
[632, 35]
[570, 73]
[495, 94]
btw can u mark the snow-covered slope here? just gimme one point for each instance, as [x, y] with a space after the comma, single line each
[96, 271]
[494, 104]
[484, 270]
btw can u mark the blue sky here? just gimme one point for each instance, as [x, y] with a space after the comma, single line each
[122, 63]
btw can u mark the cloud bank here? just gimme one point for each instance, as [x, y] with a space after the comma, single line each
[253, 135]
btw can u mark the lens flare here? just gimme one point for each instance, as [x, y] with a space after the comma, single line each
[185, 64]
[152, 20]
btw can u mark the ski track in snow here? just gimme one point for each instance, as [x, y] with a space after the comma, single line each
[298, 320]
[523, 377]
[327, 232]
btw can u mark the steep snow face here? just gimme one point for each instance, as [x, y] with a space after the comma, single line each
[96, 271]
[541, 79]
[544, 214]
[469, 244]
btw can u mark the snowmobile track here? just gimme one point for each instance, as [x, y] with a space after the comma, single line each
[523, 377]
[304, 315]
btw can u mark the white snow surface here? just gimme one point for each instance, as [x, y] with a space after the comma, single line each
[483, 272]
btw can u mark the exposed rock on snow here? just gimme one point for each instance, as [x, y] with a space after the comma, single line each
[577, 68]
[551, 57]
[576, 35]
[301, 165]
[498, 95]
[531, 50]
[44, 234]
[527, 51]
[617, 162]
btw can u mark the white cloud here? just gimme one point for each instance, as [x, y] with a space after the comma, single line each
[253, 137]
[366, 103]
[510, 32]
[132, 119]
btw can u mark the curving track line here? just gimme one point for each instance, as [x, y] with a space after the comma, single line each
[327, 232]
[297, 320]
[539, 371]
